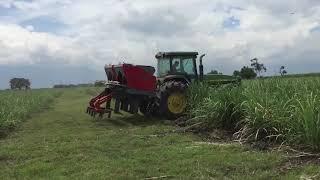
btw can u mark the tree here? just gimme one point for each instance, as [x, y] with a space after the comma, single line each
[258, 67]
[20, 83]
[247, 73]
[215, 72]
[283, 71]
[236, 73]
[100, 83]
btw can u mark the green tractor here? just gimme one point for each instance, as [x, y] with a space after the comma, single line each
[176, 71]
[134, 87]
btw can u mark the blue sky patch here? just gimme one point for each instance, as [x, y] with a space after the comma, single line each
[4, 11]
[44, 24]
[231, 23]
[315, 29]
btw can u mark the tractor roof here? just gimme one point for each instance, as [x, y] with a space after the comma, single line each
[168, 54]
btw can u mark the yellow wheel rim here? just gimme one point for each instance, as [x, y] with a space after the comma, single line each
[177, 102]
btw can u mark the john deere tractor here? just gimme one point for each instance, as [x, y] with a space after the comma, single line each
[134, 87]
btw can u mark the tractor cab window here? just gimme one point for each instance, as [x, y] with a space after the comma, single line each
[176, 66]
[188, 66]
[163, 67]
[183, 65]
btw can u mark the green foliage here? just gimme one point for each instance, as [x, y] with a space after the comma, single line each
[303, 75]
[277, 109]
[215, 72]
[258, 67]
[61, 86]
[283, 71]
[197, 93]
[15, 106]
[236, 73]
[218, 77]
[20, 83]
[100, 83]
[216, 106]
[247, 73]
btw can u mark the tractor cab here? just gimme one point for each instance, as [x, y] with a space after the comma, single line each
[182, 64]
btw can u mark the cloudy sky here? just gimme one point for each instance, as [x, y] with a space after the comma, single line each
[69, 41]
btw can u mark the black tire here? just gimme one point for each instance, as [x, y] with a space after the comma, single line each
[149, 107]
[168, 89]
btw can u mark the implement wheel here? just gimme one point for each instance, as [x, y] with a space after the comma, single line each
[173, 100]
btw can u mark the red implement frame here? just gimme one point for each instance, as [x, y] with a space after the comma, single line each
[129, 85]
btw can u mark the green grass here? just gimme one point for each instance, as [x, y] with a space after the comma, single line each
[65, 143]
[280, 109]
[218, 77]
[298, 75]
[16, 106]
[215, 80]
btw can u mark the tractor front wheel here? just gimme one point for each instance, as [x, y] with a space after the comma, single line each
[173, 99]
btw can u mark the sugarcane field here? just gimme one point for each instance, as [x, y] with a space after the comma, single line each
[159, 90]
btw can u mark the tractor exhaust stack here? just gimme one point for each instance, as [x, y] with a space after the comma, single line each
[201, 67]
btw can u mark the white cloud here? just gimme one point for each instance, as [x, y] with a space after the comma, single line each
[21, 46]
[99, 32]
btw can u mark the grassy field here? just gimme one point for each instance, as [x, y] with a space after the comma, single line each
[16, 106]
[299, 75]
[278, 109]
[65, 143]
[218, 77]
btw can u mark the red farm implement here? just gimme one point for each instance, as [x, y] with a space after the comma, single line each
[135, 88]
[130, 86]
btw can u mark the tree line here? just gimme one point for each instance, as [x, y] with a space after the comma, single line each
[97, 83]
[22, 83]
[256, 69]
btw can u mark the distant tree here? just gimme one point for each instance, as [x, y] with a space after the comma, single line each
[58, 86]
[99, 83]
[65, 86]
[72, 85]
[258, 67]
[214, 72]
[20, 83]
[236, 73]
[283, 71]
[85, 85]
[247, 73]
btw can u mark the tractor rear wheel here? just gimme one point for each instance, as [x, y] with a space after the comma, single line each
[173, 99]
